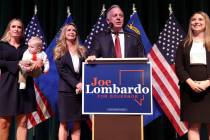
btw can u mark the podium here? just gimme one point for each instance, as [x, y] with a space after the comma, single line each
[118, 97]
[117, 127]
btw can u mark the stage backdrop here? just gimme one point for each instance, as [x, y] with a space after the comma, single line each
[52, 13]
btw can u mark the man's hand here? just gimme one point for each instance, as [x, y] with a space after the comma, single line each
[79, 88]
[90, 58]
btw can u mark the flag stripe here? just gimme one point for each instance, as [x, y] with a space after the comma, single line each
[31, 121]
[29, 125]
[40, 107]
[166, 104]
[174, 118]
[43, 109]
[36, 117]
[165, 90]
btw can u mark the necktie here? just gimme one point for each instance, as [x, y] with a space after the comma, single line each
[117, 46]
[34, 58]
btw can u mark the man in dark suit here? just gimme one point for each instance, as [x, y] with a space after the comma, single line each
[104, 44]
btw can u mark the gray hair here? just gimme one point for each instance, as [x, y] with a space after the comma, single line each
[110, 8]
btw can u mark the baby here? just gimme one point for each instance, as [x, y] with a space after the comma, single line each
[33, 53]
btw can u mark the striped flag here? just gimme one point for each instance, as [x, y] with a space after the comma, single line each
[43, 108]
[34, 29]
[164, 80]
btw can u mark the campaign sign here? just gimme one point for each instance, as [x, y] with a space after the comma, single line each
[117, 88]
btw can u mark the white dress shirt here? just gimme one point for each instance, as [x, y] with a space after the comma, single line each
[75, 61]
[198, 53]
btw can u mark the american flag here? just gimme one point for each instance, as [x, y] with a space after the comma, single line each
[34, 29]
[100, 26]
[43, 108]
[164, 80]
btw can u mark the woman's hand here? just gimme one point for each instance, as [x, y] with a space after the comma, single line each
[37, 64]
[195, 86]
[26, 65]
[204, 84]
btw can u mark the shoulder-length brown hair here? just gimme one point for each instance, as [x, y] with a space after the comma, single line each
[6, 36]
[61, 47]
[189, 38]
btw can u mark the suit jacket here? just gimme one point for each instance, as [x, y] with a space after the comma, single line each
[103, 45]
[68, 78]
[182, 62]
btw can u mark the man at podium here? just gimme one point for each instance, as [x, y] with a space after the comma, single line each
[115, 42]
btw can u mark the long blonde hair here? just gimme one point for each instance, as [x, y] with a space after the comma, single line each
[6, 36]
[61, 47]
[189, 38]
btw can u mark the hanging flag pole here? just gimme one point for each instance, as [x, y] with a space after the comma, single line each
[170, 12]
[170, 9]
[35, 12]
[103, 9]
[35, 9]
[134, 8]
[68, 11]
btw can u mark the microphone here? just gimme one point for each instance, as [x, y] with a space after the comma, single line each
[109, 27]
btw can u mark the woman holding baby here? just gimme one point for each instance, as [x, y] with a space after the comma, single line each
[14, 102]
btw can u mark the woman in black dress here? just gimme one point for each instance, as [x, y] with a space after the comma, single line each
[14, 102]
[69, 55]
[193, 70]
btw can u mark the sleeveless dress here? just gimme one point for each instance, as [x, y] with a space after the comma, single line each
[14, 101]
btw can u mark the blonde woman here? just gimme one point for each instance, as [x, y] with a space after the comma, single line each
[13, 101]
[193, 70]
[69, 55]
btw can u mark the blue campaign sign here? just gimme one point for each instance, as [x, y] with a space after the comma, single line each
[117, 88]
